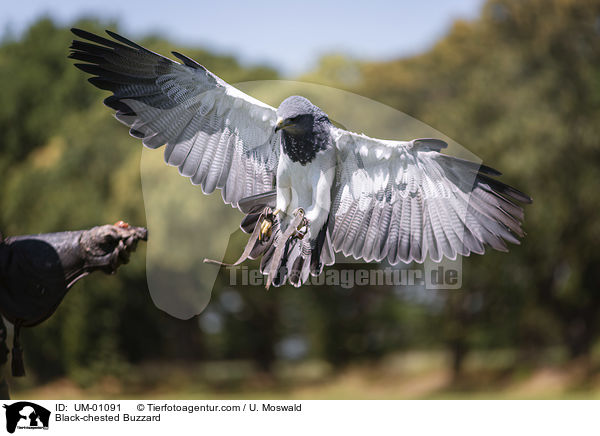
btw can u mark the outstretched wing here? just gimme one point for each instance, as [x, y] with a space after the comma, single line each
[217, 135]
[402, 201]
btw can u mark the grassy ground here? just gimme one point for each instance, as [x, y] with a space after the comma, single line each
[407, 376]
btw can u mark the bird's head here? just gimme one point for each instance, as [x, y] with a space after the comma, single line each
[297, 116]
[304, 129]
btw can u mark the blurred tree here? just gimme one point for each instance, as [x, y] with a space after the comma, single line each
[67, 164]
[521, 88]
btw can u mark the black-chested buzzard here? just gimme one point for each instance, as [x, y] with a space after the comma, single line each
[309, 189]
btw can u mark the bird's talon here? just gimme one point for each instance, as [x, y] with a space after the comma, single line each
[300, 232]
[304, 223]
[302, 228]
[265, 229]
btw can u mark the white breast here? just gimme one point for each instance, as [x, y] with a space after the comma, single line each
[307, 186]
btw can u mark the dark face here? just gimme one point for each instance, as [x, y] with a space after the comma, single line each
[296, 126]
[297, 115]
[304, 129]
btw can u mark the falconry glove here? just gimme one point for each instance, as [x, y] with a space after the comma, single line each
[36, 271]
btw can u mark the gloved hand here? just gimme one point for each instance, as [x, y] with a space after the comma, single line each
[36, 271]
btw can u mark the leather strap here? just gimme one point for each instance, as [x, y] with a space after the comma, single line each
[17, 365]
[249, 246]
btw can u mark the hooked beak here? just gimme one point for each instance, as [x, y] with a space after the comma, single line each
[282, 124]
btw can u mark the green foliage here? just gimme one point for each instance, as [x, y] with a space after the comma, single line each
[519, 87]
[67, 164]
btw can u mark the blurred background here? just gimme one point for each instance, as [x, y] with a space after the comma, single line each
[517, 82]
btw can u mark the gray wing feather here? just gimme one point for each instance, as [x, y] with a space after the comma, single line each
[404, 201]
[216, 135]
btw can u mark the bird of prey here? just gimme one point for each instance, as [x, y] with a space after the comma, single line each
[308, 188]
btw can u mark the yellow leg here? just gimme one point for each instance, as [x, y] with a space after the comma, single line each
[266, 227]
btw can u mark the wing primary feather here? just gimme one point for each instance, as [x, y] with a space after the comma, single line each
[118, 105]
[129, 42]
[188, 61]
[95, 38]
[505, 189]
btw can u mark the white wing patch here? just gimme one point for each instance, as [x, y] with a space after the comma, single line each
[403, 201]
[215, 134]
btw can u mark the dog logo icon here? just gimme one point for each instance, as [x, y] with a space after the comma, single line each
[26, 415]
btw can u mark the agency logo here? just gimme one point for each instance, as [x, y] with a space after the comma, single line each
[26, 415]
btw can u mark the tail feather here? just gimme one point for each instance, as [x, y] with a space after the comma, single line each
[327, 254]
[296, 262]
[283, 270]
[258, 250]
[267, 256]
[316, 263]
[296, 271]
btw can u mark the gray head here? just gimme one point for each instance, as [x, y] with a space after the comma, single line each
[305, 128]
